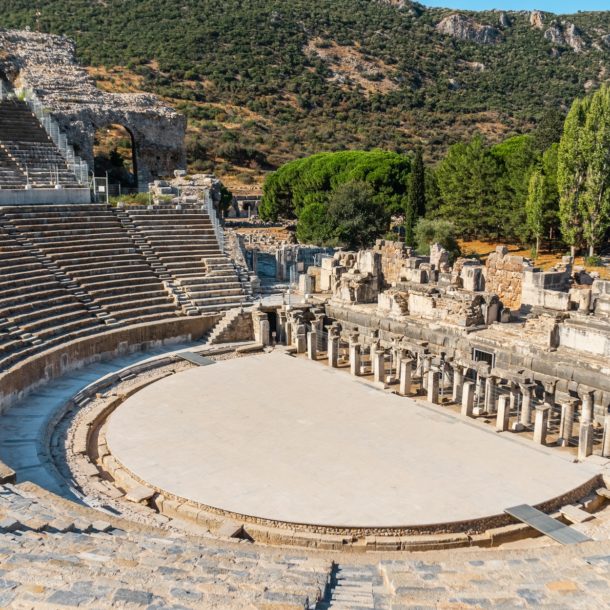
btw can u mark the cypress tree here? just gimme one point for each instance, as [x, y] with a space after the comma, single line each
[416, 200]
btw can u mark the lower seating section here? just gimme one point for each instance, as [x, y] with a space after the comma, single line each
[27, 150]
[182, 243]
[37, 310]
[87, 244]
[59, 554]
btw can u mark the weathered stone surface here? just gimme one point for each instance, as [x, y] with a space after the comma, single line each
[464, 28]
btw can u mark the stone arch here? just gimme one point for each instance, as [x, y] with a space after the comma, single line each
[133, 156]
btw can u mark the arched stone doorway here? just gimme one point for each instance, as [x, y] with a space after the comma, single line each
[114, 155]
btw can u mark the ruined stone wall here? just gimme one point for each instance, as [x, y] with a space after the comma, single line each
[504, 276]
[46, 64]
[393, 255]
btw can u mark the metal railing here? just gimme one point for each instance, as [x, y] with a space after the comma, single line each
[216, 224]
[76, 165]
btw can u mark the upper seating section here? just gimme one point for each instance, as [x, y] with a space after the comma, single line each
[27, 154]
[88, 245]
[183, 242]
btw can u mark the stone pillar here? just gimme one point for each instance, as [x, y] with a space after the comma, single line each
[354, 359]
[312, 345]
[479, 385]
[606, 439]
[458, 382]
[301, 342]
[541, 424]
[406, 368]
[514, 392]
[526, 404]
[433, 383]
[566, 426]
[288, 333]
[503, 417]
[467, 398]
[587, 407]
[333, 351]
[379, 366]
[280, 327]
[264, 331]
[426, 363]
[490, 395]
[585, 439]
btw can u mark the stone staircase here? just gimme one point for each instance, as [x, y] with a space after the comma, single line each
[355, 587]
[222, 325]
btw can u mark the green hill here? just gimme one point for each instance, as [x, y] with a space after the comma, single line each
[265, 81]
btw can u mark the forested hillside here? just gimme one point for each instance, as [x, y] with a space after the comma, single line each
[266, 81]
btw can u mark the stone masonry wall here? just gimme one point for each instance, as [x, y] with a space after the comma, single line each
[504, 276]
[393, 255]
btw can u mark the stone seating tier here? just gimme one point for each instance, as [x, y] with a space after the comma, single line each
[68, 271]
[27, 153]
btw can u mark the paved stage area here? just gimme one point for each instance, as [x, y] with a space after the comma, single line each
[294, 440]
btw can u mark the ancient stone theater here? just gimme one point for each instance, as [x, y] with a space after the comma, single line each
[193, 419]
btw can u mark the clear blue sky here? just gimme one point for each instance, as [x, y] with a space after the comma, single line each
[552, 6]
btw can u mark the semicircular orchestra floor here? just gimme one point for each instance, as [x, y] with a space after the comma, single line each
[288, 439]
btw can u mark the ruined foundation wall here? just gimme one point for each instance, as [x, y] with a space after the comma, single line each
[504, 277]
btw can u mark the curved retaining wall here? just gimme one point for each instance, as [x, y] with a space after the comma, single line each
[39, 369]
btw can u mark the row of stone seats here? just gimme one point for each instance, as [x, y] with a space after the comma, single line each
[28, 150]
[61, 554]
[37, 310]
[11, 177]
[88, 244]
[183, 243]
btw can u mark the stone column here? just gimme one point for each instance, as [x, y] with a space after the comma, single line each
[426, 363]
[333, 351]
[606, 439]
[288, 333]
[354, 359]
[479, 385]
[458, 382]
[585, 439]
[264, 331]
[379, 366]
[503, 417]
[587, 406]
[433, 383]
[566, 426]
[280, 327]
[301, 341]
[406, 367]
[514, 392]
[490, 394]
[467, 398]
[312, 345]
[526, 404]
[541, 424]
